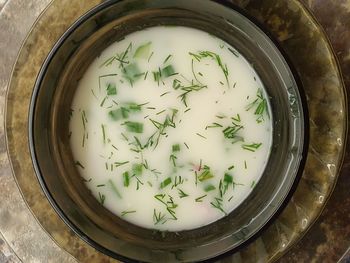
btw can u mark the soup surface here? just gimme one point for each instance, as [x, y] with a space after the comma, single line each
[170, 128]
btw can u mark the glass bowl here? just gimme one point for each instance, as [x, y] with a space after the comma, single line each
[52, 157]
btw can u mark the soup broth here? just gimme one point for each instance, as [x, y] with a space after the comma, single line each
[170, 128]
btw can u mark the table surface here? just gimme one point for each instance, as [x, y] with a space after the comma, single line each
[327, 241]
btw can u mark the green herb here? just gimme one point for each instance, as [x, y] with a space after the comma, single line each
[260, 106]
[188, 90]
[176, 148]
[118, 164]
[173, 158]
[252, 185]
[206, 174]
[114, 188]
[121, 57]
[216, 57]
[217, 203]
[143, 51]
[127, 212]
[194, 74]
[165, 93]
[236, 118]
[150, 56]
[103, 101]
[251, 147]
[167, 58]
[126, 179]
[137, 169]
[169, 203]
[103, 133]
[135, 127]
[245, 165]
[160, 112]
[209, 188]
[77, 163]
[228, 179]
[102, 198]
[230, 199]
[131, 73]
[165, 72]
[111, 89]
[138, 182]
[161, 127]
[158, 217]
[231, 167]
[124, 136]
[220, 116]
[157, 76]
[115, 147]
[118, 114]
[165, 183]
[134, 107]
[186, 145]
[176, 84]
[231, 132]
[233, 52]
[84, 119]
[200, 135]
[214, 125]
[187, 110]
[100, 185]
[100, 78]
[225, 183]
[178, 181]
[195, 56]
[200, 199]
[182, 194]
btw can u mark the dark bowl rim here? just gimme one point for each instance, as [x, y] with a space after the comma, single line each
[61, 213]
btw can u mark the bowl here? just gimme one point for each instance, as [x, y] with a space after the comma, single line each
[52, 156]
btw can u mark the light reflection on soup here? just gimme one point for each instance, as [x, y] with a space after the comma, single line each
[170, 128]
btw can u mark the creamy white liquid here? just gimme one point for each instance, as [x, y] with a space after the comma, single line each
[105, 148]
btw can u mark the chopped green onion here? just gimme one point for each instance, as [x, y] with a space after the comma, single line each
[102, 198]
[137, 169]
[165, 183]
[127, 212]
[126, 179]
[176, 147]
[135, 127]
[143, 51]
[200, 199]
[168, 71]
[228, 178]
[182, 194]
[114, 188]
[209, 188]
[206, 175]
[132, 72]
[251, 147]
[111, 89]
